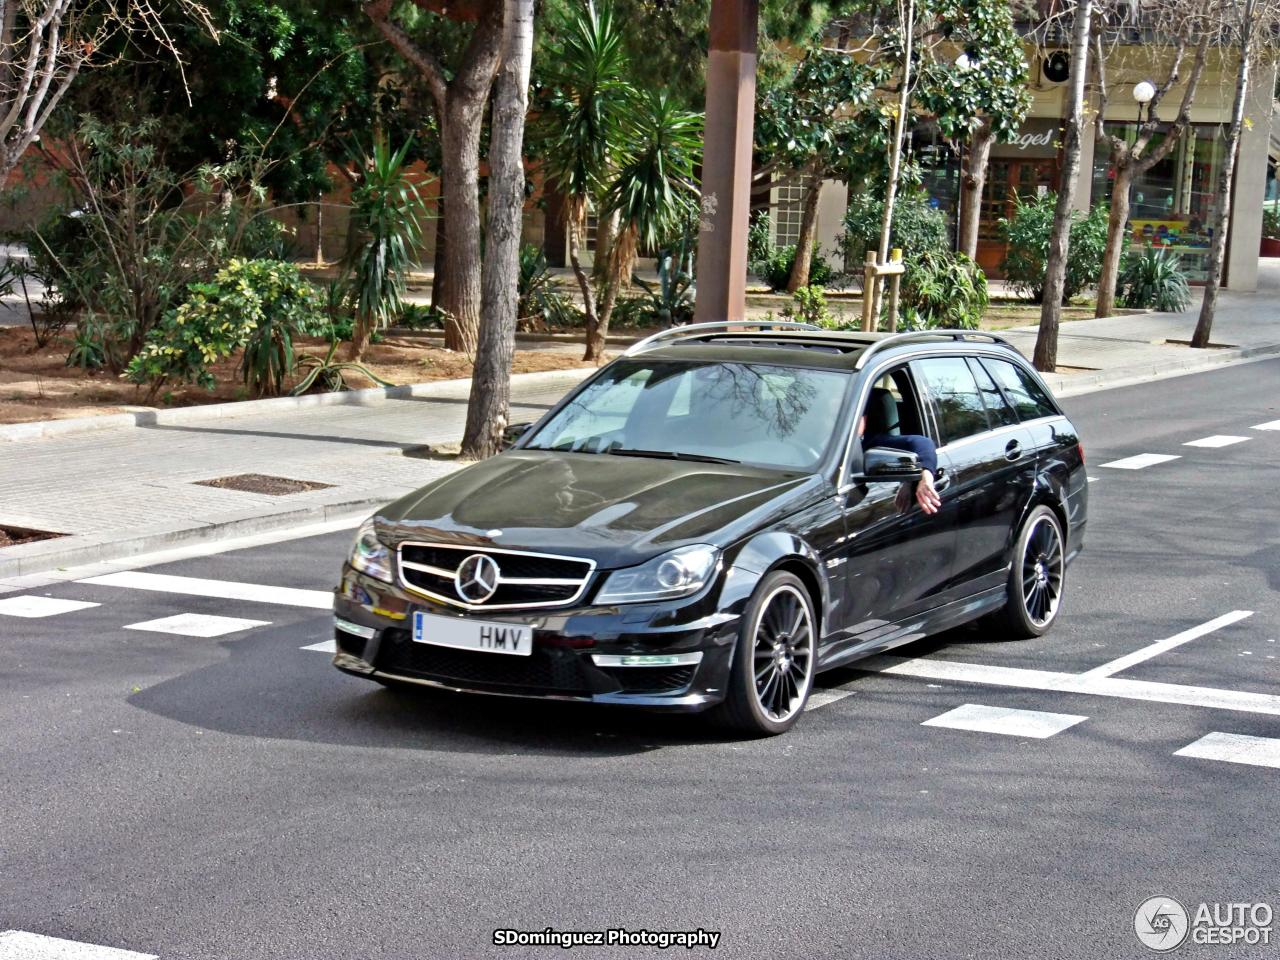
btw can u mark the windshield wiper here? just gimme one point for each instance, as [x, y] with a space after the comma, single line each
[668, 455]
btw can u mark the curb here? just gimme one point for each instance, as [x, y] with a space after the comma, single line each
[77, 550]
[446, 389]
[1069, 385]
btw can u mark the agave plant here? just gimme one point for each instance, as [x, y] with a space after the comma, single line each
[1154, 278]
[331, 374]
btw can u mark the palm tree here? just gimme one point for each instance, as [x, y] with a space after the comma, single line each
[582, 125]
[653, 192]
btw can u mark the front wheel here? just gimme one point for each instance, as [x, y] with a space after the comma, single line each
[773, 664]
[1037, 577]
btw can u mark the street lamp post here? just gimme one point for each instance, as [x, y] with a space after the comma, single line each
[1143, 93]
[726, 161]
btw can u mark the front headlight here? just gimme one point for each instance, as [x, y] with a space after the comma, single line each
[676, 574]
[369, 554]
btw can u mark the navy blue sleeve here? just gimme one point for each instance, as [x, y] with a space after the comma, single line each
[922, 447]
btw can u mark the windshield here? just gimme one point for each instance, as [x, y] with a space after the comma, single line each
[760, 414]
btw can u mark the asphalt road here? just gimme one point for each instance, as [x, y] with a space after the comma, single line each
[236, 798]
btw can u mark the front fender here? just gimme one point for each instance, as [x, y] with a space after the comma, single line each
[759, 554]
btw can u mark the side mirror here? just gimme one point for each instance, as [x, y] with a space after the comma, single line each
[514, 432]
[884, 465]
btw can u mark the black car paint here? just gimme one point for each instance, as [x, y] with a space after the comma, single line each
[879, 577]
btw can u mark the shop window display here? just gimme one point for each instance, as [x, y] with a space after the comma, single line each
[1171, 205]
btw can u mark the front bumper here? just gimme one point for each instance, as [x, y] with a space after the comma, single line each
[374, 638]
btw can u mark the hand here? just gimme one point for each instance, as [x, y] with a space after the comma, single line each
[926, 496]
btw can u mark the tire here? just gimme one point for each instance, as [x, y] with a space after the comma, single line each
[1037, 578]
[778, 631]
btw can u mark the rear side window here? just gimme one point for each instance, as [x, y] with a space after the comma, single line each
[961, 412]
[999, 411]
[1027, 396]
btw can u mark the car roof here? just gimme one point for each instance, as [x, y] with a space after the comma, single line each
[815, 348]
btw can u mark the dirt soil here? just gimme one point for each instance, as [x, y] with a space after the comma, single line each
[36, 384]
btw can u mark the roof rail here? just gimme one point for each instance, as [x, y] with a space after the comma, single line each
[923, 336]
[694, 330]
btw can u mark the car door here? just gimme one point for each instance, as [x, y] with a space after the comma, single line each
[992, 467]
[896, 561]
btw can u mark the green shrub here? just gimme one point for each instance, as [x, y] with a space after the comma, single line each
[418, 316]
[1271, 222]
[943, 290]
[809, 305]
[776, 270]
[918, 228]
[1027, 234]
[260, 305]
[1153, 279]
[759, 241]
[542, 302]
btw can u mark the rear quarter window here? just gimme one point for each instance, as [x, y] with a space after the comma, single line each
[1027, 396]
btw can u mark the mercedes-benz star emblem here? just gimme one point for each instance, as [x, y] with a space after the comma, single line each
[476, 578]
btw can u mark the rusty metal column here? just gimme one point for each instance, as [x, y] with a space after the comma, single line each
[726, 161]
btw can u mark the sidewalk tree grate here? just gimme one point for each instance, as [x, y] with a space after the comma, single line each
[263, 483]
[12, 536]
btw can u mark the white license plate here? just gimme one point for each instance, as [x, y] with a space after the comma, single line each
[465, 634]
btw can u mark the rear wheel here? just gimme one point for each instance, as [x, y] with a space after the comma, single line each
[1037, 577]
[774, 661]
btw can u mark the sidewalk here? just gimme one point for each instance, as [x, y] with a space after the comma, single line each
[126, 489]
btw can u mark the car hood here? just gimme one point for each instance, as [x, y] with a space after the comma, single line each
[615, 510]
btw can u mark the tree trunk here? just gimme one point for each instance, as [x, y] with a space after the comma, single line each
[971, 187]
[606, 234]
[575, 211]
[895, 157]
[1046, 352]
[1222, 208]
[804, 242]
[361, 337]
[437, 268]
[620, 257]
[460, 164]
[489, 407]
[1116, 224]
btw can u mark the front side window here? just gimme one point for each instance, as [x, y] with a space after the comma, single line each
[1027, 396]
[961, 412]
[772, 416]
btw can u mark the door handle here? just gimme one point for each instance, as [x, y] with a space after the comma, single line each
[941, 480]
[1013, 450]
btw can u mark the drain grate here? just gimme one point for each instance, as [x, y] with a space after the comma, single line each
[12, 536]
[263, 483]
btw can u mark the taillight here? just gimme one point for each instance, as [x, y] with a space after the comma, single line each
[1080, 449]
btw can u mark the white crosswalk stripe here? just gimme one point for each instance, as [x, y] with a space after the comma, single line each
[31, 606]
[1005, 720]
[1269, 425]
[197, 625]
[1234, 748]
[324, 646]
[219, 589]
[1141, 461]
[1218, 440]
[20, 945]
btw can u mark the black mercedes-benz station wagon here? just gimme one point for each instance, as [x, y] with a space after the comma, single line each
[698, 525]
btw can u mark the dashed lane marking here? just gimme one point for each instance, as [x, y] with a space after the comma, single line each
[1141, 461]
[1119, 687]
[20, 945]
[1163, 646]
[31, 606]
[1218, 440]
[1005, 721]
[197, 625]
[1234, 748]
[1269, 425]
[220, 589]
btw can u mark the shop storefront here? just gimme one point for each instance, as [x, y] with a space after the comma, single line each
[1171, 206]
[1021, 170]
